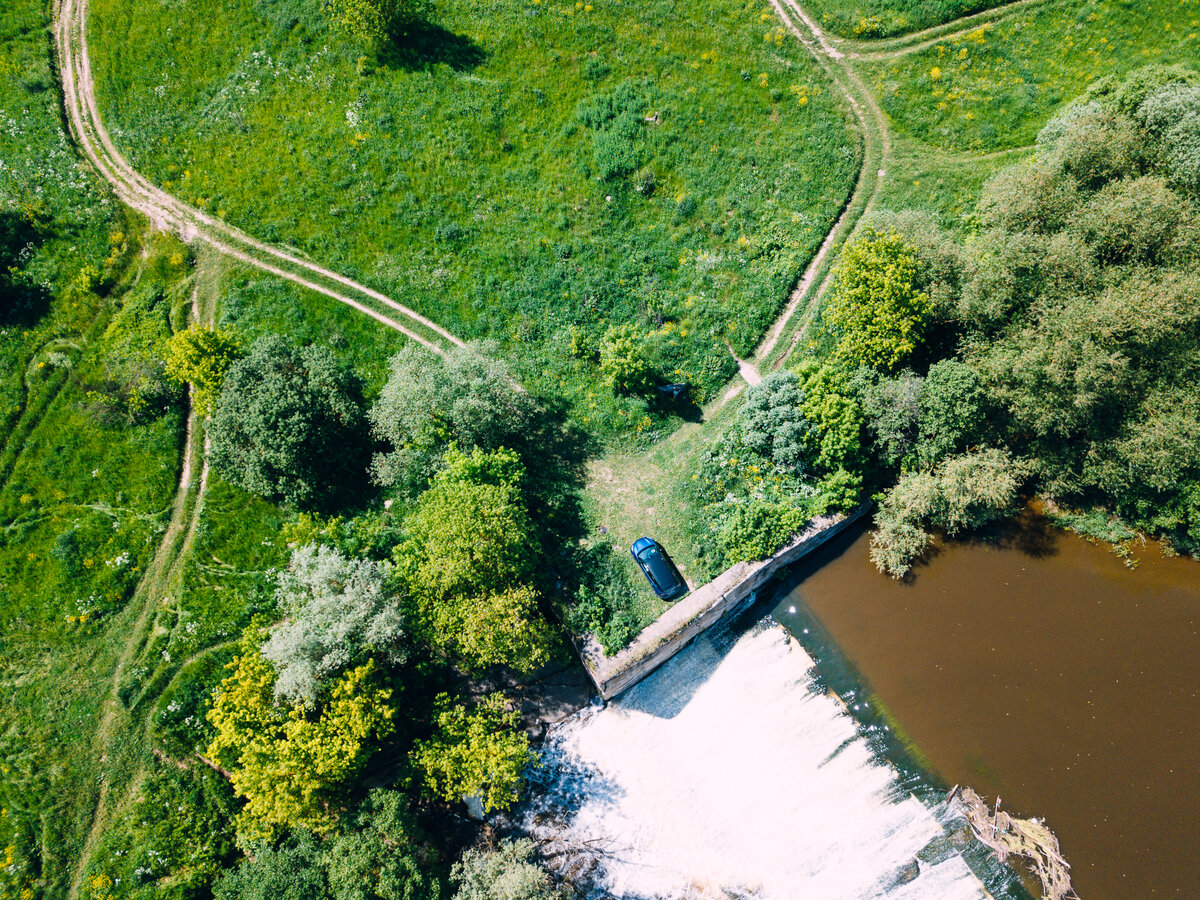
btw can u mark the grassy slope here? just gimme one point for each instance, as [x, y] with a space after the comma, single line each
[62, 629]
[995, 88]
[458, 178]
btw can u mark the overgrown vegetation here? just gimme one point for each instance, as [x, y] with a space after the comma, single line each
[609, 195]
[513, 172]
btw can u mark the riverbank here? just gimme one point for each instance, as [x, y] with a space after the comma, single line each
[1039, 667]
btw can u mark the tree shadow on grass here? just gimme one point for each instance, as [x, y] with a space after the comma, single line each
[426, 45]
[22, 301]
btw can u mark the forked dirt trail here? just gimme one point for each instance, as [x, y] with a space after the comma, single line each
[167, 212]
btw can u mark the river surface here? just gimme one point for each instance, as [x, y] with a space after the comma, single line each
[1039, 668]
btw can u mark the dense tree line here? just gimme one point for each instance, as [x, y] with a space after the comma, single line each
[1053, 348]
[372, 630]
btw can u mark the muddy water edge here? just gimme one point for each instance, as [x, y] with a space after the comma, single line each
[1038, 667]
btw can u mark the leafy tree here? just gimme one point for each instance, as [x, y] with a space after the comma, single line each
[757, 529]
[963, 493]
[374, 21]
[772, 423]
[290, 872]
[1172, 115]
[835, 417]
[201, 357]
[624, 361]
[874, 309]
[289, 425]
[379, 855]
[1076, 309]
[892, 408]
[469, 398]
[476, 752]
[291, 763]
[341, 613]
[471, 526]
[470, 550]
[506, 873]
[952, 411]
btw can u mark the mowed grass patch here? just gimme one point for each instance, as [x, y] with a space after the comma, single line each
[944, 183]
[995, 87]
[884, 18]
[647, 493]
[512, 170]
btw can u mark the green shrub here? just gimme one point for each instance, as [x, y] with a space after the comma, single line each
[772, 421]
[963, 493]
[624, 362]
[476, 752]
[874, 310]
[289, 426]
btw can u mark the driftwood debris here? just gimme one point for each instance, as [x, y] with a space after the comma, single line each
[1027, 838]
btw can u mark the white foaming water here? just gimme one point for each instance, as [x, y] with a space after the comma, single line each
[727, 773]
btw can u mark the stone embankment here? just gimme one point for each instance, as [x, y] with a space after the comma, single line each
[732, 590]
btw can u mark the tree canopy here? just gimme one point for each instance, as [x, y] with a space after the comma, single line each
[201, 357]
[470, 552]
[506, 873]
[289, 425]
[468, 399]
[291, 762]
[874, 309]
[475, 752]
[374, 21]
[341, 612]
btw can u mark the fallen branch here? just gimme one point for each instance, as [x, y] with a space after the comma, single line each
[1027, 838]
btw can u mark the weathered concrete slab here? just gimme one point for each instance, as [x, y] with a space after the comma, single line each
[699, 611]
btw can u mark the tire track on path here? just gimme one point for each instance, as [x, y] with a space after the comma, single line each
[161, 574]
[876, 152]
[892, 48]
[167, 212]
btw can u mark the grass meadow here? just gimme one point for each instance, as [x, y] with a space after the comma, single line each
[510, 170]
[995, 87]
[885, 18]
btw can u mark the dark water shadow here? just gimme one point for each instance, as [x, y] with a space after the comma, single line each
[426, 45]
[666, 692]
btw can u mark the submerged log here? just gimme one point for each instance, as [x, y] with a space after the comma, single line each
[1029, 839]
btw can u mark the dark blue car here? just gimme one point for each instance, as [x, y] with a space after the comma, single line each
[658, 568]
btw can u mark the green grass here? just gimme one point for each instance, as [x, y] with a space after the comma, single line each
[884, 18]
[462, 176]
[944, 183]
[995, 88]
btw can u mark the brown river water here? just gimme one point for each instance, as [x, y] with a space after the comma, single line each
[1039, 668]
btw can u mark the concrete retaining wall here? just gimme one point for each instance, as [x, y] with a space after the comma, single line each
[700, 610]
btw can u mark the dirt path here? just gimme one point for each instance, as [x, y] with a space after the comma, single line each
[876, 152]
[837, 57]
[162, 573]
[914, 42]
[167, 212]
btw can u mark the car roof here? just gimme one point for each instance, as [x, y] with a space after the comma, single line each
[642, 543]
